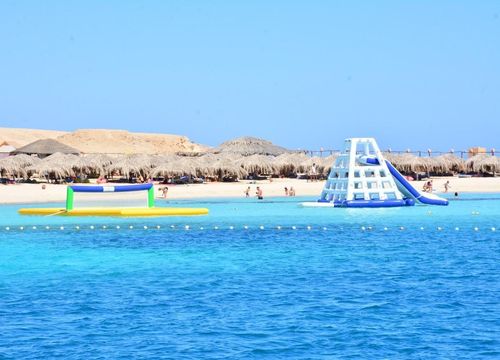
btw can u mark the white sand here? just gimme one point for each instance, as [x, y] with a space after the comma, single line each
[31, 193]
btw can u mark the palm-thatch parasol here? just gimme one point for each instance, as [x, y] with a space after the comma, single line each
[58, 164]
[483, 163]
[250, 146]
[453, 163]
[127, 166]
[10, 167]
[257, 164]
[175, 166]
[406, 163]
[290, 163]
[96, 161]
[57, 157]
[225, 166]
[45, 147]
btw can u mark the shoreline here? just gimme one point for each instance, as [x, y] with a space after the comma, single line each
[26, 194]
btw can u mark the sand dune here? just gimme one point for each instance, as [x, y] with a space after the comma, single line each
[21, 137]
[105, 141]
[125, 142]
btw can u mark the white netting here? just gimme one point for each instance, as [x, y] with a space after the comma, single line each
[110, 199]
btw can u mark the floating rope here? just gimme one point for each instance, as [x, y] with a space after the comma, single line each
[244, 227]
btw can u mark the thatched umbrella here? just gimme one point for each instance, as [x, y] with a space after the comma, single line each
[208, 163]
[45, 147]
[127, 166]
[145, 160]
[178, 166]
[10, 167]
[59, 167]
[23, 160]
[157, 160]
[16, 165]
[96, 161]
[289, 163]
[225, 166]
[258, 164]
[250, 146]
[406, 163]
[59, 157]
[483, 163]
[452, 163]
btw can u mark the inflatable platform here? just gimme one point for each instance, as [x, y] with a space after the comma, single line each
[148, 210]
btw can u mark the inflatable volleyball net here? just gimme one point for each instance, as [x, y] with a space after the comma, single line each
[110, 196]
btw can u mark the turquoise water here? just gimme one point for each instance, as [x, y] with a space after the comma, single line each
[412, 283]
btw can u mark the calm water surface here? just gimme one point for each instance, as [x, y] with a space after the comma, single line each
[358, 283]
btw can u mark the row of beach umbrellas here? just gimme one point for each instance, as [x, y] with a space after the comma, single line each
[61, 165]
[224, 164]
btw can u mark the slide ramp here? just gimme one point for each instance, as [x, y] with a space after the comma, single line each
[406, 188]
[409, 190]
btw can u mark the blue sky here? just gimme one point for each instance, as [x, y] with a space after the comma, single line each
[303, 74]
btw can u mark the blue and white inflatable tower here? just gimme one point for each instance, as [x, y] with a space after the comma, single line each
[361, 177]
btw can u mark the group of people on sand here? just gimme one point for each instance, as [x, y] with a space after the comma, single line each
[289, 192]
[429, 187]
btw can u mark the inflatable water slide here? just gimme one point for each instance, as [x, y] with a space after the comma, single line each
[361, 177]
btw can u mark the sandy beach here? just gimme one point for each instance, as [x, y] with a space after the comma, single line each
[33, 193]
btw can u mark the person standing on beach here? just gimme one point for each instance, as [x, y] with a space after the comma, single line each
[292, 191]
[247, 192]
[286, 191]
[312, 176]
[447, 186]
[259, 193]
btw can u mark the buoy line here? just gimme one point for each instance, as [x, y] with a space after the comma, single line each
[187, 227]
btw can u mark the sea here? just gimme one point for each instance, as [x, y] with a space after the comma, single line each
[254, 279]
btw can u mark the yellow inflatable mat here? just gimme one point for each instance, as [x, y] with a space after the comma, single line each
[156, 211]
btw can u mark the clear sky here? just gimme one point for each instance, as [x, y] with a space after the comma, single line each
[303, 74]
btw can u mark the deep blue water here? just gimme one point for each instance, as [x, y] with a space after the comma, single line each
[359, 283]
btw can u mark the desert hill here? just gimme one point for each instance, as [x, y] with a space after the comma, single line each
[105, 141]
[21, 137]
